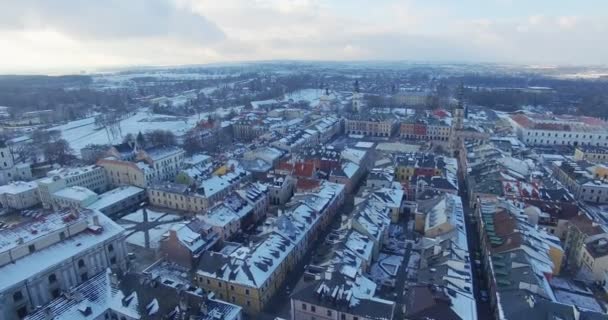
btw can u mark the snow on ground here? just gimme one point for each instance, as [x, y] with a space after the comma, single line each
[310, 95]
[138, 216]
[137, 239]
[128, 225]
[155, 234]
[82, 132]
[169, 217]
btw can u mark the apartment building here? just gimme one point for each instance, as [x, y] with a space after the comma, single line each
[195, 199]
[92, 177]
[372, 125]
[250, 275]
[586, 181]
[19, 195]
[591, 153]
[542, 129]
[143, 167]
[41, 258]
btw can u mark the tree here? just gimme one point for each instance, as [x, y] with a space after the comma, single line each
[141, 141]
[58, 152]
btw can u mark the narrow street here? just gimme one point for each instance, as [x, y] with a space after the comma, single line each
[483, 308]
[279, 305]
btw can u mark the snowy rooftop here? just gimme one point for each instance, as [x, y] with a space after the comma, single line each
[353, 155]
[22, 229]
[220, 215]
[18, 187]
[90, 300]
[75, 193]
[66, 173]
[113, 196]
[49, 257]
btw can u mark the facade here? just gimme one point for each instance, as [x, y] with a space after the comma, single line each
[91, 177]
[67, 249]
[119, 200]
[425, 129]
[185, 243]
[586, 181]
[590, 153]
[9, 169]
[19, 195]
[142, 167]
[176, 196]
[540, 129]
[280, 188]
[73, 197]
[258, 270]
[377, 125]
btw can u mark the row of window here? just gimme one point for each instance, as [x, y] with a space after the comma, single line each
[584, 136]
[329, 313]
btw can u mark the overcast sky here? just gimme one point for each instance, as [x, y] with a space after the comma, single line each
[70, 35]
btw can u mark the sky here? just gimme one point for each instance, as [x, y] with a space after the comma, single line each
[71, 35]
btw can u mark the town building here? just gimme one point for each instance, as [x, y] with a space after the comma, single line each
[139, 167]
[92, 177]
[10, 169]
[372, 125]
[119, 200]
[250, 275]
[19, 195]
[545, 130]
[591, 153]
[48, 253]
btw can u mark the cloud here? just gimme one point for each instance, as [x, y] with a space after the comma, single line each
[91, 33]
[109, 19]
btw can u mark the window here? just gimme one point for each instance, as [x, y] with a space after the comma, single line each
[233, 298]
[22, 312]
[303, 306]
[80, 263]
[208, 282]
[113, 260]
[110, 248]
[232, 287]
[329, 313]
[55, 293]
[248, 303]
[84, 276]
[62, 235]
[219, 284]
[247, 291]
[31, 248]
[17, 296]
[52, 278]
[313, 308]
[343, 317]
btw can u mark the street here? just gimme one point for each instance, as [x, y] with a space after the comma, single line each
[483, 308]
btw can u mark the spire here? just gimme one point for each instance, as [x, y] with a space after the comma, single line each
[357, 85]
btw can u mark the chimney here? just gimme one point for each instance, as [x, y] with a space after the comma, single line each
[114, 281]
[96, 220]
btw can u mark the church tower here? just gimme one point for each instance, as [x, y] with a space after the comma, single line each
[357, 98]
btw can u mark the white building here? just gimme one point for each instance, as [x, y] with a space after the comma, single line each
[74, 197]
[19, 195]
[91, 177]
[538, 130]
[41, 258]
[9, 170]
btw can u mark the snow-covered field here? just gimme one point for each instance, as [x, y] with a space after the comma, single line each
[310, 95]
[81, 133]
